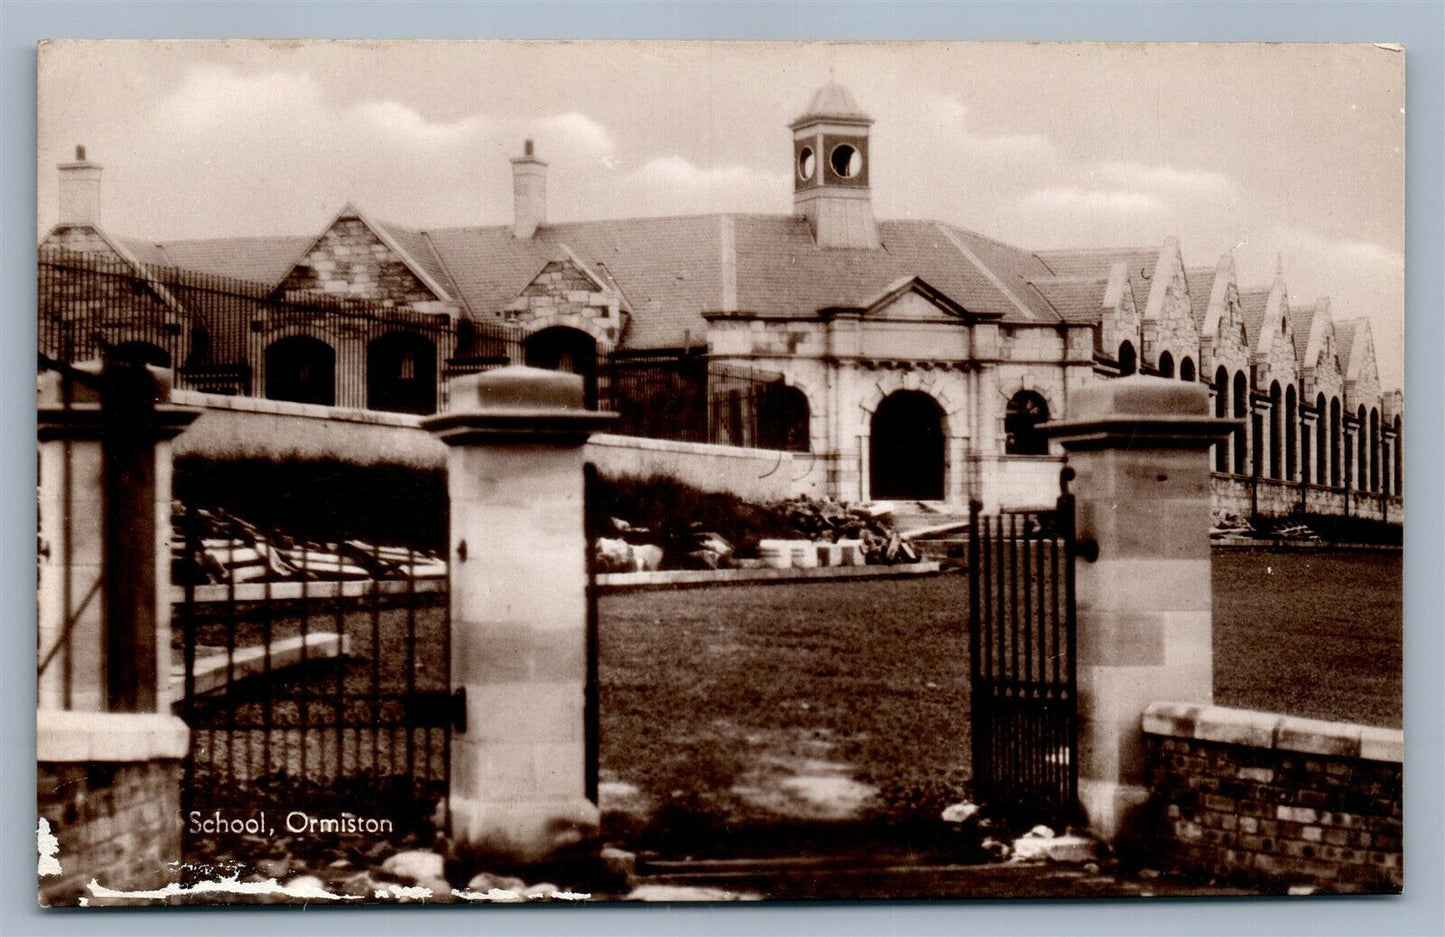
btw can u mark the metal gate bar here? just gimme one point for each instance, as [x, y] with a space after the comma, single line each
[1022, 661]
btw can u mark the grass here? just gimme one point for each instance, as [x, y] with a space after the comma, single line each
[1313, 634]
[721, 709]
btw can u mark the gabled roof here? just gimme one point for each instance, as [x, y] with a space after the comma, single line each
[1077, 300]
[1096, 262]
[258, 259]
[1345, 342]
[1301, 319]
[401, 247]
[1201, 287]
[1253, 303]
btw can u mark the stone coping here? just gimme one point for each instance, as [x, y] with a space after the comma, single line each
[1206, 723]
[313, 411]
[64, 735]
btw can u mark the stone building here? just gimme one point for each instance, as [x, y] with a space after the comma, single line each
[920, 358]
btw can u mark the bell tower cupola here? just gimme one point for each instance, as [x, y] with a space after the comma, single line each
[830, 170]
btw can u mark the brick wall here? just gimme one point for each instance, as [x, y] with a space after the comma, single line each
[118, 823]
[1271, 799]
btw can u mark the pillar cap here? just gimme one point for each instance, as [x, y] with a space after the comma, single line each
[1140, 412]
[517, 404]
[81, 418]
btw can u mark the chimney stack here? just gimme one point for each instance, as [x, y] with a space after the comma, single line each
[529, 192]
[79, 191]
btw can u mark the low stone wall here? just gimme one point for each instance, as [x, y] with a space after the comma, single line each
[109, 788]
[253, 427]
[242, 427]
[1273, 799]
[751, 474]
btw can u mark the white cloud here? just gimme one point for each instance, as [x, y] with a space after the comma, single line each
[1076, 199]
[1167, 180]
[396, 119]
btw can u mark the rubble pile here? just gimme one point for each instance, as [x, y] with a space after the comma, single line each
[1230, 524]
[829, 521]
[231, 549]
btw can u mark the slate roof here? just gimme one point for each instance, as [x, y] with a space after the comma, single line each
[1201, 285]
[1078, 300]
[1345, 333]
[1252, 305]
[1301, 318]
[671, 270]
[1097, 262]
[259, 259]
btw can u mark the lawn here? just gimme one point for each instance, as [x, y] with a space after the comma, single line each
[845, 705]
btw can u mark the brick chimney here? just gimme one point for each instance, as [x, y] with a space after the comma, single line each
[79, 191]
[529, 192]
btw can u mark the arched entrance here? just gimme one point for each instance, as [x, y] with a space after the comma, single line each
[302, 369]
[401, 373]
[906, 457]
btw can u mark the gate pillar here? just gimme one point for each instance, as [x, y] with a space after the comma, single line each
[1141, 448]
[519, 611]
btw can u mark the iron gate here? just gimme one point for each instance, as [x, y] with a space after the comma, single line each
[1022, 653]
[314, 677]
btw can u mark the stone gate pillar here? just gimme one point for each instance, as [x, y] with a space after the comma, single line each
[519, 611]
[1141, 448]
[108, 750]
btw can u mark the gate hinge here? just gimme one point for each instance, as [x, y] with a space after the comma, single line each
[459, 710]
[1087, 549]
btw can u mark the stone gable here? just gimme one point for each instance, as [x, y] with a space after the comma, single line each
[350, 260]
[1363, 385]
[1168, 323]
[1229, 346]
[564, 294]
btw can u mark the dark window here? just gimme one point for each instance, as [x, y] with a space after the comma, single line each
[1186, 370]
[1336, 442]
[561, 348]
[1291, 421]
[145, 352]
[1322, 434]
[302, 369]
[1022, 435]
[1241, 412]
[1276, 451]
[1221, 410]
[401, 373]
[1128, 360]
[783, 418]
[1166, 365]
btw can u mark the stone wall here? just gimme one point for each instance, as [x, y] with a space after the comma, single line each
[350, 260]
[118, 823]
[1272, 799]
[250, 427]
[562, 294]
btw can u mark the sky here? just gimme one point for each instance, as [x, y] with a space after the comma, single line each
[1291, 156]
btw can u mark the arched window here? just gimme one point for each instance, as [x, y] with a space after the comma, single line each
[1186, 370]
[1241, 413]
[1374, 450]
[1025, 411]
[783, 418]
[1336, 442]
[1221, 410]
[1128, 360]
[1166, 364]
[146, 352]
[1362, 442]
[561, 348]
[1399, 457]
[1322, 433]
[1291, 424]
[401, 373]
[301, 368]
[1276, 451]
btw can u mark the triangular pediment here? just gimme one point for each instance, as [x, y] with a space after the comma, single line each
[913, 298]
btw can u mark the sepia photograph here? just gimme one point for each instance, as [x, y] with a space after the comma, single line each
[548, 473]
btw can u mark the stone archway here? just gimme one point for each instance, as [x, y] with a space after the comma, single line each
[907, 448]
